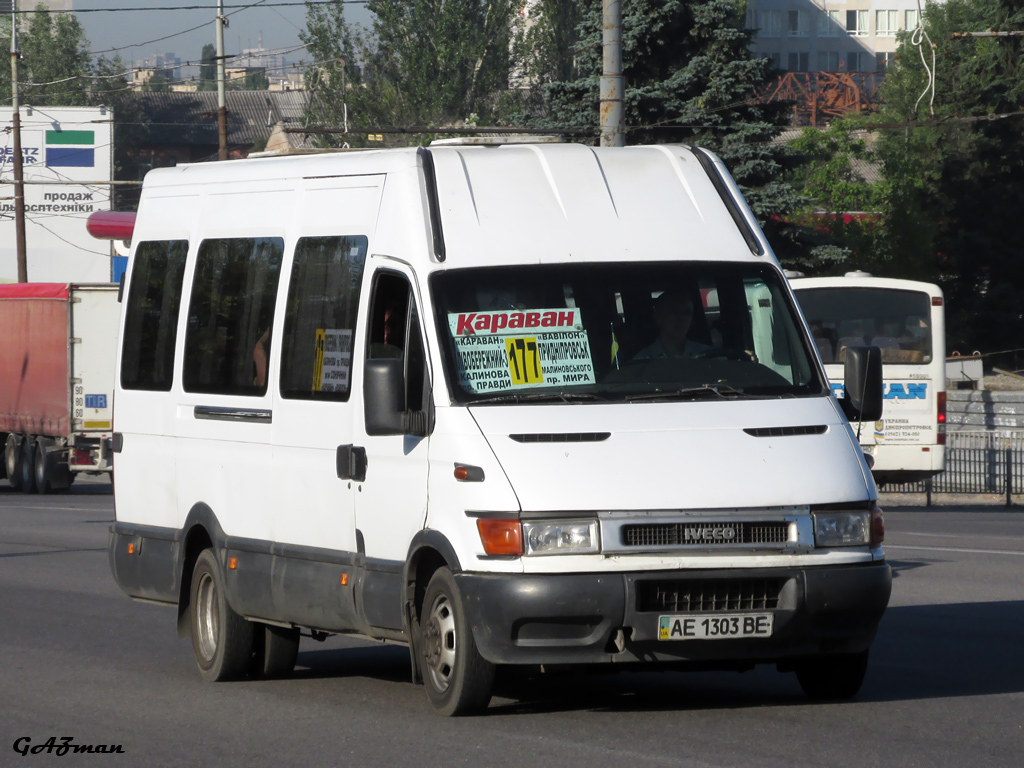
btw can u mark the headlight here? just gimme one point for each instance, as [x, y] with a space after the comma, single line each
[842, 529]
[560, 538]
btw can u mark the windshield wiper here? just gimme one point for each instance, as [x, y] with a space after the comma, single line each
[540, 397]
[707, 391]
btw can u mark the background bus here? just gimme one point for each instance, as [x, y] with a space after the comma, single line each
[905, 319]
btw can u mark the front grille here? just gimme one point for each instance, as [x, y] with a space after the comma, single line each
[708, 595]
[716, 534]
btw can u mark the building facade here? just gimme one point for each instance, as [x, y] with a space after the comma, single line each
[830, 35]
[6, 6]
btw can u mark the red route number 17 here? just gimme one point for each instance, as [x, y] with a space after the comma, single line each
[524, 361]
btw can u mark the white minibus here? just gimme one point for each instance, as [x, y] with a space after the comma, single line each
[903, 318]
[527, 405]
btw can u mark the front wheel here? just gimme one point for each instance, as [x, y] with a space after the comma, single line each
[457, 678]
[222, 640]
[837, 676]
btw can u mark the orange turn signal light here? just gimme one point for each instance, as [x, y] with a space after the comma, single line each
[344, 580]
[232, 563]
[131, 547]
[500, 536]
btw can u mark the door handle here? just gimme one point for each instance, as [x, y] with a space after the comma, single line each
[351, 463]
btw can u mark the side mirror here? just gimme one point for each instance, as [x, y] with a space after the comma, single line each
[384, 396]
[384, 400]
[862, 380]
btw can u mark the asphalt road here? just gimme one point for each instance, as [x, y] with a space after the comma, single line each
[79, 659]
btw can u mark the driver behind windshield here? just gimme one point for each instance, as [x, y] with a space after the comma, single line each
[673, 314]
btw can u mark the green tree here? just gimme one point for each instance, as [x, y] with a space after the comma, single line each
[842, 223]
[158, 83]
[131, 126]
[547, 39]
[954, 164]
[689, 77]
[208, 68]
[54, 60]
[423, 63]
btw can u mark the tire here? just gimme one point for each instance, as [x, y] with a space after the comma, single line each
[457, 678]
[12, 460]
[28, 457]
[275, 650]
[42, 469]
[222, 640]
[832, 677]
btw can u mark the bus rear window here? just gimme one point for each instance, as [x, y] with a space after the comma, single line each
[896, 321]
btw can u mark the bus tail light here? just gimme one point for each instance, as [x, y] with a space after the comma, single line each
[940, 426]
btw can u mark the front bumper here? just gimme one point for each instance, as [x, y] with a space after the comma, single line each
[610, 617]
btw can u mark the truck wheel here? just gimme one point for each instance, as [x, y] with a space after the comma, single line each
[42, 467]
[275, 650]
[221, 639]
[837, 676]
[457, 678]
[28, 456]
[12, 460]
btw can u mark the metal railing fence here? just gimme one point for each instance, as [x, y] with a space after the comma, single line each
[976, 462]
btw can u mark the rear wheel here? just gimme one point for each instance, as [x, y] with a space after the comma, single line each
[222, 640]
[457, 678]
[12, 460]
[43, 469]
[28, 459]
[275, 650]
[837, 676]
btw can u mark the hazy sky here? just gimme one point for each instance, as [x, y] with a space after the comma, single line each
[133, 32]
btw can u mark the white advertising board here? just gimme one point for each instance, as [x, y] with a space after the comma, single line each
[67, 154]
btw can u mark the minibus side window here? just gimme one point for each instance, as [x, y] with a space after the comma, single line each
[320, 318]
[395, 332]
[231, 316]
[151, 317]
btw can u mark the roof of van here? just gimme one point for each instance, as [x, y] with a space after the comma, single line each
[539, 202]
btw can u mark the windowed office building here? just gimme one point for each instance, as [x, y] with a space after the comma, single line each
[830, 35]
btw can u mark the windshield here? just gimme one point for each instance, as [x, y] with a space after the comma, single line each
[897, 321]
[617, 332]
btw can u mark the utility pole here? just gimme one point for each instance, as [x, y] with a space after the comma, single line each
[222, 108]
[19, 170]
[613, 119]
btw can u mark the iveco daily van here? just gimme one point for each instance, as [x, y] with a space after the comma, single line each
[524, 405]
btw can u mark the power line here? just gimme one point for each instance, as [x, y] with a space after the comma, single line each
[234, 8]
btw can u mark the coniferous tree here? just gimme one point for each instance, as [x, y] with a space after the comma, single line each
[689, 78]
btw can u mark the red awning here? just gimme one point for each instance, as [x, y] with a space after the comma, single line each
[34, 291]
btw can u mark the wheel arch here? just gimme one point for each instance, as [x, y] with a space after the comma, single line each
[201, 531]
[429, 551]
